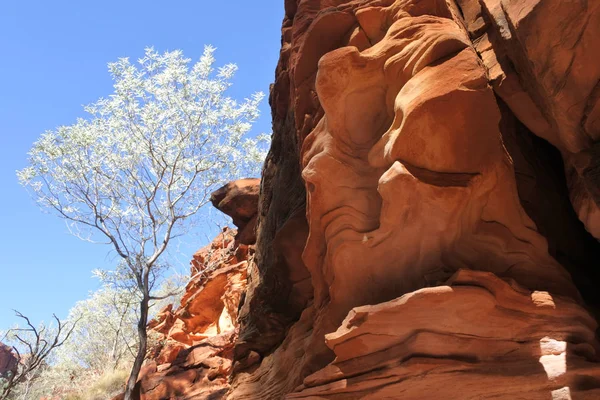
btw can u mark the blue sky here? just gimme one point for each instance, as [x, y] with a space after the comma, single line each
[54, 56]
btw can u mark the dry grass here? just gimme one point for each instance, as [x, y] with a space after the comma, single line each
[107, 386]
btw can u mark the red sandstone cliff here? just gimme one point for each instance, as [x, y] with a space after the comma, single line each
[428, 214]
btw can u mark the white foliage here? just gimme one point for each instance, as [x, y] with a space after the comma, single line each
[105, 336]
[149, 156]
[103, 341]
[137, 171]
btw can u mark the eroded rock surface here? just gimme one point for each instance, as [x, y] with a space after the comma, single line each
[539, 54]
[192, 356]
[193, 352]
[428, 219]
[448, 153]
[239, 200]
[476, 337]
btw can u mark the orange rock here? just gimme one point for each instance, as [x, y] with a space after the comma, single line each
[198, 372]
[419, 228]
[552, 82]
[413, 123]
[217, 252]
[239, 200]
[478, 337]
[194, 354]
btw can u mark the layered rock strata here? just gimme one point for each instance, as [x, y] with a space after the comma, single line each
[428, 218]
[477, 337]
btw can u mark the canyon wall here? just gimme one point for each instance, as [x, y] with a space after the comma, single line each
[428, 219]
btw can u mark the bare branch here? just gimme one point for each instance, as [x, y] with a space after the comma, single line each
[38, 346]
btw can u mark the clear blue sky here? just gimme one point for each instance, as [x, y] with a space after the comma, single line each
[54, 56]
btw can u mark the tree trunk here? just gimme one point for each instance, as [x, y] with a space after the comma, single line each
[141, 354]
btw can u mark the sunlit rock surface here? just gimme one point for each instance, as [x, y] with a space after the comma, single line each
[192, 343]
[429, 204]
[428, 218]
[477, 337]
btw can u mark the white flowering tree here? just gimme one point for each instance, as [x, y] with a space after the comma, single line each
[103, 342]
[104, 338]
[137, 171]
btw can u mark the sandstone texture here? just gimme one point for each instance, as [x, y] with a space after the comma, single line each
[239, 200]
[477, 337]
[428, 221]
[192, 343]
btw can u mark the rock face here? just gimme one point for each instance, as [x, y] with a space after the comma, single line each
[192, 354]
[239, 200]
[428, 219]
[429, 209]
[193, 351]
[552, 83]
[8, 360]
[477, 336]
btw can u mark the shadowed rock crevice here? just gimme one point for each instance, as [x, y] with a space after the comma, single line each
[436, 178]
[543, 191]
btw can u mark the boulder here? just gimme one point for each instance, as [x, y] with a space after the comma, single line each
[239, 200]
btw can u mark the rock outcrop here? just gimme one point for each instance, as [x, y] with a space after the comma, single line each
[428, 223]
[428, 218]
[8, 360]
[476, 337]
[239, 200]
[192, 352]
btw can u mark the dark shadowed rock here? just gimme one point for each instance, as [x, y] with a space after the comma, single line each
[8, 360]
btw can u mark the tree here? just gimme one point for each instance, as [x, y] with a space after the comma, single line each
[137, 171]
[105, 337]
[102, 344]
[33, 348]
[100, 348]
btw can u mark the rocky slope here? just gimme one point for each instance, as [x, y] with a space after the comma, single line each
[428, 219]
[192, 342]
